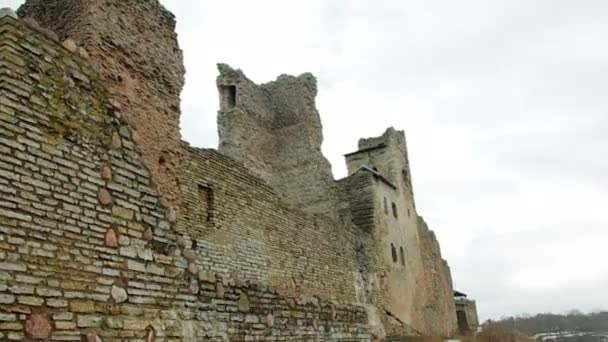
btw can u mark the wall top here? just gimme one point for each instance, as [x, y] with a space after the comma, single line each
[7, 12]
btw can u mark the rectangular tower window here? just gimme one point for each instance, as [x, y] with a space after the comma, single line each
[394, 253]
[406, 177]
[228, 96]
[205, 195]
[385, 206]
[395, 210]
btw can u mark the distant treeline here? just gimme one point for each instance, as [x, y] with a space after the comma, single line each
[573, 321]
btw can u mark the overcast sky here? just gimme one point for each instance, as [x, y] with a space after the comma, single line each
[504, 105]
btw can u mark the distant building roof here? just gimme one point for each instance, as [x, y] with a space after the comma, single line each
[459, 294]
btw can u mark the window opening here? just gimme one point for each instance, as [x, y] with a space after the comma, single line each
[229, 95]
[206, 202]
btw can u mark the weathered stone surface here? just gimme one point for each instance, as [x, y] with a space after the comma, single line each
[111, 238]
[172, 215]
[70, 45]
[93, 337]
[219, 290]
[244, 305]
[193, 268]
[82, 52]
[38, 327]
[148, 235]
[116, 142]
[145, 75]
[106, 173]
[119, 294]
[104, 197]
[189, 255]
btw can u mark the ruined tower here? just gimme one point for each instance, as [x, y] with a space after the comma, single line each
[275, 130]
[133, 45]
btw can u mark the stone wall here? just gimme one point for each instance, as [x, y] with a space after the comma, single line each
[87, 251]
[439, 308]
[274, 129]
[132, 44]
[139, 236]
[250, 232]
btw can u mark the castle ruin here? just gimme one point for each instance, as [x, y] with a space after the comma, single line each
[113, 229]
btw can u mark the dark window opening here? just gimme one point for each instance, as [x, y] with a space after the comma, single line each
[164, 158]
[406, 177]
[229, 96]
[206, 202]
[402, 256]
[394, 253]
[385, 206]
[395, 210]
[409, 213]
[463, 323]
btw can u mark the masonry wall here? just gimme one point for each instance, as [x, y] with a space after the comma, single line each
[439, 308]
[133, 46]
[87, 251]
[249, 231]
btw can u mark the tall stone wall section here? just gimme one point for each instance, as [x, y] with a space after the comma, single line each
[241, 226]
[133, 46]
[87, 251]
[274, 129]
[438, 304]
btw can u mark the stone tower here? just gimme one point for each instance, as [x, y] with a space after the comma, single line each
[133, 45]
[275, 130]
[387, 154]
[416, 282]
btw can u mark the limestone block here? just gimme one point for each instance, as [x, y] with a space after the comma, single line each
[70, 45]
[119, 294]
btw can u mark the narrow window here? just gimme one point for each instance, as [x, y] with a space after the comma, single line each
[395, 210]
[406, 177]
[394, 253]
[206, 202]
[385, 206]
[402, 256]
[409, 213]
[228, 96]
